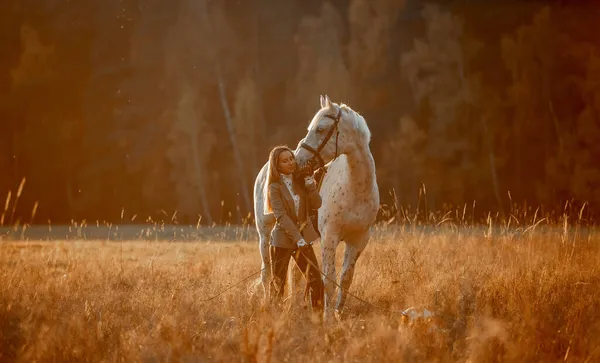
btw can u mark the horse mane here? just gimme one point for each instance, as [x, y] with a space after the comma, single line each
[359, 123]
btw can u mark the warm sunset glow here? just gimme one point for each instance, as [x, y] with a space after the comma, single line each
[139, 219]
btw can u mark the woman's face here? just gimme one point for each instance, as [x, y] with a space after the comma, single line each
[286, 163]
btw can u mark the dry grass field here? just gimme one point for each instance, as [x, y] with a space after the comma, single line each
[526, 295]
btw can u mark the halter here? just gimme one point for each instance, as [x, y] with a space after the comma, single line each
[317, 152]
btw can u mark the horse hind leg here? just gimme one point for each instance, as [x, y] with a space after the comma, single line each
[354, 248]
[265, 272]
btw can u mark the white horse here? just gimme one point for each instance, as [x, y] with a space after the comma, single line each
[340, 137]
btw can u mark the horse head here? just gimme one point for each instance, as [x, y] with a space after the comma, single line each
[334, 130]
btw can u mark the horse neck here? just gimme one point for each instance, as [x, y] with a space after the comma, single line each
[361, 168]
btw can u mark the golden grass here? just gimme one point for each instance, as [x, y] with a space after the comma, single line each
[507, 297]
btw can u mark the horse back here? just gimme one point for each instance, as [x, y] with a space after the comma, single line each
[259, 198]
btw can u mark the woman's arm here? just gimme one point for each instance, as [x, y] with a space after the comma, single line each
[314, 199]
[281, 215]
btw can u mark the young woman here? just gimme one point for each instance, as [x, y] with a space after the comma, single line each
[290, 201]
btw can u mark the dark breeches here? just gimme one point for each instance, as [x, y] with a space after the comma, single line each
[280, 258]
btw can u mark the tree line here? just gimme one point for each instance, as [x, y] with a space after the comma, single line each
[167, 110]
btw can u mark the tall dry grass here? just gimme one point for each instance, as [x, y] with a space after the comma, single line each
[525, 296]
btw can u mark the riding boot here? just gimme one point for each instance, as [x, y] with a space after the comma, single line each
[314, 219]
[314, 214]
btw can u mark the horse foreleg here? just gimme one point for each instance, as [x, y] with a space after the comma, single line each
[329, 243]
[294, 281]
[354, 247]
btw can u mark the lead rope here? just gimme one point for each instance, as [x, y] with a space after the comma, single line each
[239, 282]
[354, 296]
[320, 272]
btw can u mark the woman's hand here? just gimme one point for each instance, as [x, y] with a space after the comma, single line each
[301, 243]
[309, 181]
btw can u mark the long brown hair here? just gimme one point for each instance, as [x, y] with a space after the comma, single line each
[273, 173]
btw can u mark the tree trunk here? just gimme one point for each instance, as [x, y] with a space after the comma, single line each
[69, 195]
[236, 152]
[198, 172]
[15, 155]
[492, 157]
[262, 130]
[203, 8]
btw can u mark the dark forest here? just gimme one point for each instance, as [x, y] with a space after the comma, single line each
[141, 110]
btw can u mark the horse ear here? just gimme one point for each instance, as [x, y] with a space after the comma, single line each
[322, 99]
[327, 101]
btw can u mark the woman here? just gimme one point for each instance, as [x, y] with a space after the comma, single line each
[290, 201]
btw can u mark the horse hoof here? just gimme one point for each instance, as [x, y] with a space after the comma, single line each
[338, 315]
[332, 317]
